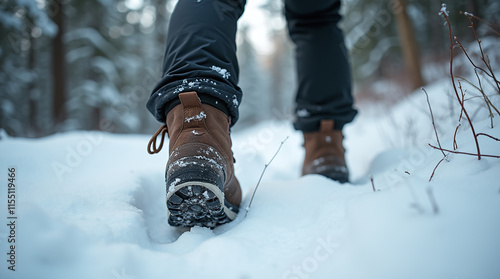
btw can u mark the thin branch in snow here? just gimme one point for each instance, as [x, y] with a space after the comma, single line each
[373, 184]
[455, 144]
[262, 174]
[480, 87]
[415, 204]
[483, 21]
[445, 15]
[437, 137]
[486, 135]
[464, 153]
[434, 170]
[432, 199]
[443, 10]
[470, 59]
[432, 119]
[484, 58]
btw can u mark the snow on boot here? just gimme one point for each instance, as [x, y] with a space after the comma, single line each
[201, 187]
[325, 153]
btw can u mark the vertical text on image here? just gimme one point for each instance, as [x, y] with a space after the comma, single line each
[11, 218]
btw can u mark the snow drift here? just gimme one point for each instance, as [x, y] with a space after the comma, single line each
[92, 205]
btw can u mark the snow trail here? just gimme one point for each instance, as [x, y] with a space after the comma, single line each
[102, 213]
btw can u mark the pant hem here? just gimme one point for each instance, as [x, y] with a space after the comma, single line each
[159, 103]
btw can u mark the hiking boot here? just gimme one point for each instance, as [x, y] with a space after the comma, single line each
[325, 153]
[201, 187]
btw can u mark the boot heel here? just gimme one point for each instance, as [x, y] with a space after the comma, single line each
[195, 194]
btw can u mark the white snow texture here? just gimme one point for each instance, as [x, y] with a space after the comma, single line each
[92, 205]
[223, 72]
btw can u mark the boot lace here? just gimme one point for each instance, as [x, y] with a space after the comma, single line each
[152, 149]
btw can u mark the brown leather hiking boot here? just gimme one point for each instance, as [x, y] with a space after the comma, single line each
[201, 187]
[325, 153]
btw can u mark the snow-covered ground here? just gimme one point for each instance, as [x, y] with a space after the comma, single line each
[92, 205]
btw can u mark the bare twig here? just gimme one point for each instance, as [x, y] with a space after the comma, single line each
[455, 144]
[415, 204]
[373, 184]
[432, 119]
[486, 99]
[491, 83]
[444, 14]
[470, 60]
[483, 94]
[432, 199]
[463, 100]
[483, 21]
[464, 153]
[262, 174]
[486, 135]
[434, 170]
[485, 60]
[480, 88]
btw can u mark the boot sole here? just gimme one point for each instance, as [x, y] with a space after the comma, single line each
[197, 200]
[197, 203]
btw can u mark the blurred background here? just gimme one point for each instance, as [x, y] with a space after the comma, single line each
[91, 64]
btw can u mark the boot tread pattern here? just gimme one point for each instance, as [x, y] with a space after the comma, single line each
[196, 205]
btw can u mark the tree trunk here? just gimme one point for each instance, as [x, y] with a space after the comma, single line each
[58, 68]
[33, 98]
[409, 44]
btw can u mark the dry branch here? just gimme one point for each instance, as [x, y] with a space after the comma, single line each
[444, 14]
[483, 58]
[483, 21]
[464, 153]
[434, 170]
[486, 135]
[262, 174]
[432, 119]
[432, 199]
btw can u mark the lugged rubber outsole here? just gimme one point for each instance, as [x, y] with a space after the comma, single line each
[198, 203]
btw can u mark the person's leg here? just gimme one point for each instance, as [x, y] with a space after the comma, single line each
[201, 56]
[324, 99]
[198, 100]
[323, 71]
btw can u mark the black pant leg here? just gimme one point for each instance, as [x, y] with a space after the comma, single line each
[323, 70]
[201, 56]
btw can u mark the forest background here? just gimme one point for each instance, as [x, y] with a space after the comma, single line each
[91, 64]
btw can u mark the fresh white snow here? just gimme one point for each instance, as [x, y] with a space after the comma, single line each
[303, 113]
[199, 117]
[223, 72]
[443, 10]
[92, 205]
